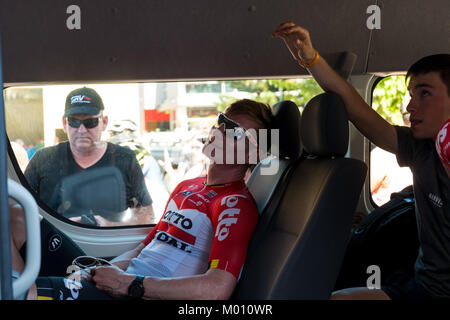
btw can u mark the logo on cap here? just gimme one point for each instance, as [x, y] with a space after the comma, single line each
[80, 99]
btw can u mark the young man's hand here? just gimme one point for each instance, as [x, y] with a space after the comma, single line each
[368, 122]
[297, 40]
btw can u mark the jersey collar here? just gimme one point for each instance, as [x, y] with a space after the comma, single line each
[224, 185]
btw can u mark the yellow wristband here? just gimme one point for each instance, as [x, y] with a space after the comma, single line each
[309, 65]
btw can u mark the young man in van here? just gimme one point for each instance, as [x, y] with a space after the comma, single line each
[429, 108]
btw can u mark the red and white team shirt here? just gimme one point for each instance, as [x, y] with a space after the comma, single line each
[202, 227]
[443, 144]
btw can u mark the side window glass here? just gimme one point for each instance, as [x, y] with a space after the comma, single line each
[117, 166]
[390, 99]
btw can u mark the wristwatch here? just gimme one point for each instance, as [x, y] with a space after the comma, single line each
[136, 289]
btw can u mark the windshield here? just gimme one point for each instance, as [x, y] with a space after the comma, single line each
[116, 163]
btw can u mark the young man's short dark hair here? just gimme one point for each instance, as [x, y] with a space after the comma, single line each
[435, 63]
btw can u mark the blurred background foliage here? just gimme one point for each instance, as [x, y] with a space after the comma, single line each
[272, 91]
[390, 96]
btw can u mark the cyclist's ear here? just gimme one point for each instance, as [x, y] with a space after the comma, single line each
[252, 154]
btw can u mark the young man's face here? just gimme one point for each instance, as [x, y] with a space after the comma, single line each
[83, 139]
[429, 106]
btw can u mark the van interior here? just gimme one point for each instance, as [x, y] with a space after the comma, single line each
[165, 69]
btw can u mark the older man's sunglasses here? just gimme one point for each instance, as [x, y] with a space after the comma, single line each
[239, 131]
[87, 123]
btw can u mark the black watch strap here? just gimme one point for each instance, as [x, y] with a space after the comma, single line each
[136, 289]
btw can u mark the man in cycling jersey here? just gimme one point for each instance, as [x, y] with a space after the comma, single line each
[198, 248]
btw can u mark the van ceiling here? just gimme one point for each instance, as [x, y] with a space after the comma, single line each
[167, 40]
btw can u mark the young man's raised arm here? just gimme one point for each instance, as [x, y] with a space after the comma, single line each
[370, 123]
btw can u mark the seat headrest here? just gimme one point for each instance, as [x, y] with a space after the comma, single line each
[287, 120]
[324, 127]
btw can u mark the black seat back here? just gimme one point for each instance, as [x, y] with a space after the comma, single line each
[298, 254]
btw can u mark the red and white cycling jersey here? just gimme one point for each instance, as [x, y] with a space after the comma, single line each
[202, 227]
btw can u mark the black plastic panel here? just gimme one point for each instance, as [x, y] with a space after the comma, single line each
[410, 30]
[158, 40]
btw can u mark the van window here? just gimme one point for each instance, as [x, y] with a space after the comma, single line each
[160, 124]
[390, 98]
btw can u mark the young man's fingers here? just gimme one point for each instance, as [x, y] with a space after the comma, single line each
[285, 24]
[299, 31]
[290, 28]
[282, 27]
[279, 32]
[283, 35]
[294, 31]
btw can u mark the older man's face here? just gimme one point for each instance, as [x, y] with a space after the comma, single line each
[84, 139]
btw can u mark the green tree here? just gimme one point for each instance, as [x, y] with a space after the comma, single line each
[272, 91]
[389, 99]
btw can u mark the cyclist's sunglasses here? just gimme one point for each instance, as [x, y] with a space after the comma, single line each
[239, 131]
[87, 123]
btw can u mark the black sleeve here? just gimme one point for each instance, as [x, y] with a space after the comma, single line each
[32, 172]
[137, 188]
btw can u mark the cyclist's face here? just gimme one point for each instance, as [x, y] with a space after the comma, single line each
[232, 139]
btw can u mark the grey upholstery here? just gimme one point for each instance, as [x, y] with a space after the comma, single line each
[297, 253]
[261, 185]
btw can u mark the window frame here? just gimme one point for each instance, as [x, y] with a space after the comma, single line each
[76, 225]
[371, 145]
[43, 206]
[370, 203]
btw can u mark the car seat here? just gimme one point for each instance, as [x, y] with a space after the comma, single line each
[299, 242]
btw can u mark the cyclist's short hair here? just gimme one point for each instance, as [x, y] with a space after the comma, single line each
[261, 112]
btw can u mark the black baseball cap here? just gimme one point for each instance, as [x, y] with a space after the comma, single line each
[83, 100]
